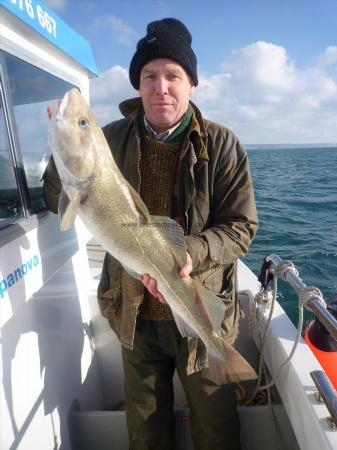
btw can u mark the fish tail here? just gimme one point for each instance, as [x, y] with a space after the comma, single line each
[231, 368]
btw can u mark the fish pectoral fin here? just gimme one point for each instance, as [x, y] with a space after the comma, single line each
[68, 209]
[234, 369]
[210, 305]
[184, 329]
[174, 234]
[139, 204]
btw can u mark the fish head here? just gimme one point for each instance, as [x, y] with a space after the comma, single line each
[72, 140]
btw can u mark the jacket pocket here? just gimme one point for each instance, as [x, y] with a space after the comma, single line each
[230, 324]
[211, 278]
[218, 278]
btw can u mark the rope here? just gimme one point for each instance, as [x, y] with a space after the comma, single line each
[262, 347]
[309, 293]
[305, 295]
[261, 297]
[264, 297]
[282, 267]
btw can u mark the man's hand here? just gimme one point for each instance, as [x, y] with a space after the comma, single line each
[187, 268]
[151, 283]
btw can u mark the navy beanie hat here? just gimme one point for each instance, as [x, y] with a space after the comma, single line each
[166, 38]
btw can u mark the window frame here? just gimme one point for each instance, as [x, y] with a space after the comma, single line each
[11, 127]
[20, 180]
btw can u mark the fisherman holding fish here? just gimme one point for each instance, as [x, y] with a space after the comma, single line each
[189, 179]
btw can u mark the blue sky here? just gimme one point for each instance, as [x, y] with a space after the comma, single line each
[267, 69]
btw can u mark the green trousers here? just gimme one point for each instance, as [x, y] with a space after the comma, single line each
[158, 351]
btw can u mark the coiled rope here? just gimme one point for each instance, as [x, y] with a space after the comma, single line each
[305, 295]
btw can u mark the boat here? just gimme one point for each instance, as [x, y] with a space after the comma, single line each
[61, 371]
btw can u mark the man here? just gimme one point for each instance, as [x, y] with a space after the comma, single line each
[196, 172]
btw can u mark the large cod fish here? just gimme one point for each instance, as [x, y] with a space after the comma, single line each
[94, 188]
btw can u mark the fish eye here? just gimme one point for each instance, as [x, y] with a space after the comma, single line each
[83, 123]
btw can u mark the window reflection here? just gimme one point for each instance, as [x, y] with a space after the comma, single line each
[32, 90]
[10, 204]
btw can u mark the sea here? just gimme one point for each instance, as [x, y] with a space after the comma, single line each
[296, 195]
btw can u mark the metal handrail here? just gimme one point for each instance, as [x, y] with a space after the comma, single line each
[327, 394]
[314, 304]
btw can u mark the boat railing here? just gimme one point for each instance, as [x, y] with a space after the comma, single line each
[314, 302]
[327, 394]
[311, 299]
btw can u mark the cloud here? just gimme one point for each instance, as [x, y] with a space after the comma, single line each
[262, 66]
[259, 93]
[121, 31]
[57, 5]
[107, 91]
[212, 86]
[329, 57]
[265, 98]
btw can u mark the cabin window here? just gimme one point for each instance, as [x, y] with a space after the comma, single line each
[10, 203]
[31, 91]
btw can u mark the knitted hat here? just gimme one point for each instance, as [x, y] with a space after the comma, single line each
[166, 38]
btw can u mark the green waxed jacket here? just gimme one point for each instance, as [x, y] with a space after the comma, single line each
[216, 201]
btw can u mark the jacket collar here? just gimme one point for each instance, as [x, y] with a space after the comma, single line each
[197, 132]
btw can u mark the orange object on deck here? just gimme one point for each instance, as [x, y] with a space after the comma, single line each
[322, 344]
[327, 359]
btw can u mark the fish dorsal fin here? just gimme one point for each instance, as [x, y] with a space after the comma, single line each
[139, 204]
[174, 234]
[68, 209]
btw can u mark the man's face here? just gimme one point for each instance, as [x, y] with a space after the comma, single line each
[165, 89]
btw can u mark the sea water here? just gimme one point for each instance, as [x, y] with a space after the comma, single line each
[296, 197]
